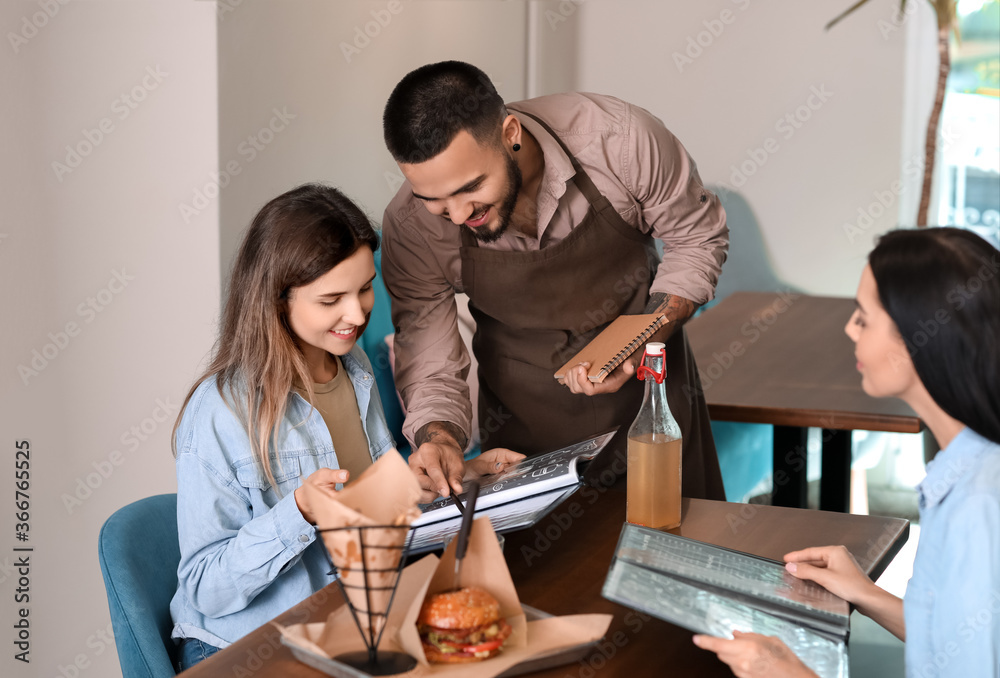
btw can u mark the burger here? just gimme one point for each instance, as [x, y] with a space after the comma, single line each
[461, 626]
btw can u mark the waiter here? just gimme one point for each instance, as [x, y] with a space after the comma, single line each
[544, 212]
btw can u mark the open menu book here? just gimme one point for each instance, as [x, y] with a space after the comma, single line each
[516, 498]
[712, 590]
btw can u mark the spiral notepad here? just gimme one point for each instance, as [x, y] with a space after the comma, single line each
[611, 347]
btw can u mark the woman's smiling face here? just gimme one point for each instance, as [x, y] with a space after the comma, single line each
[329, 314]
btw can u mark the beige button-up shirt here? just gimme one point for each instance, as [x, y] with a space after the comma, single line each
[632, 159]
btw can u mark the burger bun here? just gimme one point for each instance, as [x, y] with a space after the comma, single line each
[462, 609]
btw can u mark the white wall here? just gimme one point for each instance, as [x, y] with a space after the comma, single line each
[803, 213]
[754, 65]
[333, 65]
[65, 237]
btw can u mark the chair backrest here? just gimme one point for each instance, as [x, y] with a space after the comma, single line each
[139, 554]
[373, 343]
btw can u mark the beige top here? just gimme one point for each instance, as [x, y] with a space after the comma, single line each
[338, 404]
[632, 159]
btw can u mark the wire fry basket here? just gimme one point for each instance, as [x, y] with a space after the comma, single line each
[370, 596]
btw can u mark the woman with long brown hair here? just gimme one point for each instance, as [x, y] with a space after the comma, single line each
[289, 398]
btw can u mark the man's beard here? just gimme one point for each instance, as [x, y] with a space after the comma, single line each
[506, 209]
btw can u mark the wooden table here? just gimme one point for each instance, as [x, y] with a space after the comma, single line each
[784, 359]
[560, 565]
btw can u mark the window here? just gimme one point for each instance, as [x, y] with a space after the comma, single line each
[968, 176]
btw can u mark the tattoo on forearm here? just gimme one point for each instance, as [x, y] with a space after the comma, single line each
[437, 431]
[677, 309]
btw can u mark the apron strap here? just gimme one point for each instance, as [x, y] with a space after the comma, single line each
[581, 178]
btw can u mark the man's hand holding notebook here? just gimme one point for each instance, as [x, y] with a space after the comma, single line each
[614, 345]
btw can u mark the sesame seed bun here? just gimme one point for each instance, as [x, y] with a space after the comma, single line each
[462, 609]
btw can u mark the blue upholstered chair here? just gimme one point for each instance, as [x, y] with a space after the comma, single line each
[373, 343]
[139, 554]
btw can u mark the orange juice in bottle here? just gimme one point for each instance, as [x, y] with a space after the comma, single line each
[654, 451]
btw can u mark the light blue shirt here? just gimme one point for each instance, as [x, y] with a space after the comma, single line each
[247, 554]
[952, 603]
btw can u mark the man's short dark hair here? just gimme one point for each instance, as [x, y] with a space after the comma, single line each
[435, 102]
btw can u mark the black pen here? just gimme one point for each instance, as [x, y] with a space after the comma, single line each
[458, 502]
[464, 531]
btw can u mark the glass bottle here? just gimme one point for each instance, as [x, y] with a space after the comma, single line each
[654, 451]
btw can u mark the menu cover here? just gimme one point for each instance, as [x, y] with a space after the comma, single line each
[712, 590]
[518, 497]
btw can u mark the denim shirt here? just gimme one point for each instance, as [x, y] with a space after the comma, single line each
[247, 554]
[952, 602]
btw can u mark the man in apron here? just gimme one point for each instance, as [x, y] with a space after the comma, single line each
[544, 212]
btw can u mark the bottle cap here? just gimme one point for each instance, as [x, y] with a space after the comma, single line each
[654, 348]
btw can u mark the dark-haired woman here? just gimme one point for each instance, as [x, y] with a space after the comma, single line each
[927, 331]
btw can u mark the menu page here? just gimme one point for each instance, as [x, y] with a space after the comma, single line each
[531, 476]
[733, 571]
[505, 518]
[703, 611]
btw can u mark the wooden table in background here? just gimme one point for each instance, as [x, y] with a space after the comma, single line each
[559, 566]
[784, 359]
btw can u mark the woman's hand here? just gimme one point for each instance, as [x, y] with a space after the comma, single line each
[491, 462]
[833, 568]
[751, 655]
[324, 477]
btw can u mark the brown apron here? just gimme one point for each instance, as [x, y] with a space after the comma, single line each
[535, 309]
